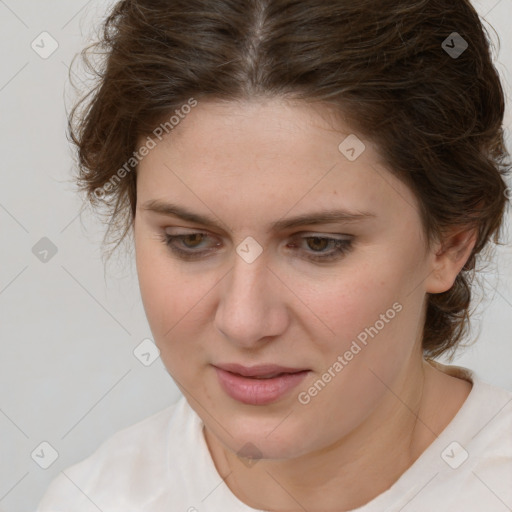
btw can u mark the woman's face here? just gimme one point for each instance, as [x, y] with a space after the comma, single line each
[241, 290]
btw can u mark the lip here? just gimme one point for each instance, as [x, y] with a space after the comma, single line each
[247, 389]
[258, 370]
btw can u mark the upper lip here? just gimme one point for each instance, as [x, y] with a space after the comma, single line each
[259, 370]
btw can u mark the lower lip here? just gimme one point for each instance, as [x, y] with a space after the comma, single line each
[253, 391]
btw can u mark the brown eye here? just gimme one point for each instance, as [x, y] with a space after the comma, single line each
[319, 244]
[185, 245]
[318, 249]
[321, 249]
[196, 237]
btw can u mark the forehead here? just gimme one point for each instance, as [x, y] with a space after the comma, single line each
[260, 139]
[267, 156]
[275, 125]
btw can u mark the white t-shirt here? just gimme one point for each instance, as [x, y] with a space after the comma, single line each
[163, 464]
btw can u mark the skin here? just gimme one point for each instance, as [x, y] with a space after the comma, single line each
[249, 164]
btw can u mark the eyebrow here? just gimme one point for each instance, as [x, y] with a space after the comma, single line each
[320, 217]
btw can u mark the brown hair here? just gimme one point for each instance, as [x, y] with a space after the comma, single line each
[385, 64]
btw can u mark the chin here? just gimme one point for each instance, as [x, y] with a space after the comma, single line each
[259, 439]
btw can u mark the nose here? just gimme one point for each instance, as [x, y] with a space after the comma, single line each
[252, 308]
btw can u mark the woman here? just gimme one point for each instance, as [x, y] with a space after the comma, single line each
[309, 185]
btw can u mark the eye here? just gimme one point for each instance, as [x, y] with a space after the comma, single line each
[188, 246]
[319, 244]
[185, 245]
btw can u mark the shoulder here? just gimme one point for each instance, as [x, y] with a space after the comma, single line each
[493, 419]
[483, 425]
[469, 465]
[482, 470]
[129, 462]
[485, 419]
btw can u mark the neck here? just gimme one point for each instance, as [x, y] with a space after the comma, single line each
[359, 466]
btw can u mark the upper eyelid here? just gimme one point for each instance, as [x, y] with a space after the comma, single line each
[310, 233]
[344, 240]
[339, 238]
[341, 245]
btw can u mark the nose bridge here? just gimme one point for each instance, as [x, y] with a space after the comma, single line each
[247, 304]
[248, 282]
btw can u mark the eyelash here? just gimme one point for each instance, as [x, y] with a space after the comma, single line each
[342, 247]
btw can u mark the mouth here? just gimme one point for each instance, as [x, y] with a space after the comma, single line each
[263, 371]
[258, 385]
[269, 376]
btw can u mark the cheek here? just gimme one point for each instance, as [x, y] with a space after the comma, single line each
[174, 303]
[369, 320]
[352, 299]
[375, 327]
[163, 291]
[153, 287]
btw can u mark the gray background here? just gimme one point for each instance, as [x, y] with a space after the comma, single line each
[68, 374]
